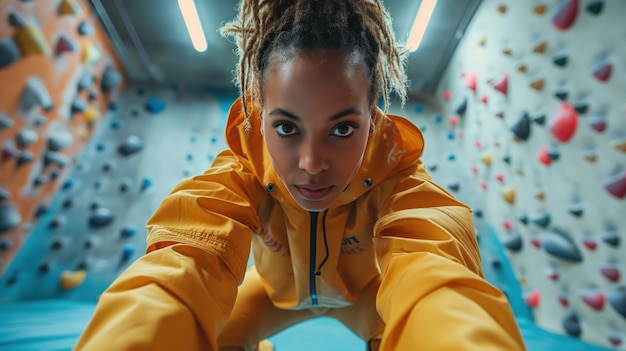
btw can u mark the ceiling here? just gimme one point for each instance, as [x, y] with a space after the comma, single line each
[152, 41]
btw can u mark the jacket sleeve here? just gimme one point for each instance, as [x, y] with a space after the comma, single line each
[433, 295]
[179, 295]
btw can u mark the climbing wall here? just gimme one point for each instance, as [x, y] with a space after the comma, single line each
[534, 114]
[95, 224]
[58, 76]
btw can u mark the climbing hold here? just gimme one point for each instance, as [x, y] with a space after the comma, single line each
[31, 41]
[432, 167]
[611, 272]
[86, 81]
[594, 7]
[564, 123]
[513, 242]
[146, 183]
[482, 40]
[581, 107]
[590, 155]
[539, 118]
[454, 121]
[576, 209]
[487, 158]
[127, 252]
[541, 219]
[611, 237]
[537, 84]
[59, 139]
[523, 219]
[506, 224]
[90, 53]
[602, 70]
[616, 185]
[128, 232]
[503, 84]
[470, 81]
[507, 52]
[111, 79]
[560, 59]
[79, 105]
[619, 144]
[64, 44]
[552, 274]
[447, 95]
[500, 177]
[5, 244]
[521, 128]
[501, 9]
[72, 279]
[615, 340]
[131, 145]
[9, 52]
[24, 158]
[92, 114]
[125, 184]
[532, 298]
[617, 298]
[563, 300]
[35, 94]
[539, 9]
[85, 28]
[571, 324]
[540, 47]
[26, 137]
[155, 105]
[598, 123]
[522, 68]
[9, 217]
[484, 99]
[565, 14]
[69, 7]
[461, 107]
[4, 195]
[454, 186]
[558, 243]
[101, 217]
[500, 114]
[509, 194]
[55, 158]
[506, 159]
[593, 298]
[5, 121]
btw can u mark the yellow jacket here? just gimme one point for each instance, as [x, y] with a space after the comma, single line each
[391, 220]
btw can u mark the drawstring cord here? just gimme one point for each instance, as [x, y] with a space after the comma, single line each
[318, 271]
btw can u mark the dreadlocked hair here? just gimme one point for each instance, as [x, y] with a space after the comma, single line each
[350, 26]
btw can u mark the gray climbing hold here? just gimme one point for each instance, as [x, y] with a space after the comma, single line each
[5, 244]
[513, 242]
[541, 219]
[86, 81]
[59, 139]
[9, 217]
[4, 194]
[16, 20]
[612, 238]
[111, 79]
[55, 158]
[521, 128]
[617, 298]
[24, 158]
[101, 217]
[576, 209]
[131, 145]
[34, 94]
[9, 52]
[571, 324]
[26, 137]
[125, 184]
[79, 105]
[559, 244]
[461, 107]
[40, 120]
[5, 121]
[128, 232]
[454, 186]
[540, 119]
[86, 29]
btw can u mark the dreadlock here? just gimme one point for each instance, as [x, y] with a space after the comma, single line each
[351, 26]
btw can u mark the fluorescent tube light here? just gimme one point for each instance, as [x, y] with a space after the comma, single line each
[190, 14]
[419, 26]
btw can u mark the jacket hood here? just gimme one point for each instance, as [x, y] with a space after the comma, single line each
[396, 143]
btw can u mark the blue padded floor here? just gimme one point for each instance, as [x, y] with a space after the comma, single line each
[55, 325]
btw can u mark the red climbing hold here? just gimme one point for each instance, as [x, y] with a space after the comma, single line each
[552, 274]
[503, 84]
[564, 301]
[500, 177]
[593, 299]
[610, 272]
[470, 81]
[506, 224]
[454, 121]
[564, 123]
[616, 185]
[484, 99]
[565, 15]
[447, 95]
[544, 156]
[532, 298]
[590, 244]
[603, 71]
[535, 243]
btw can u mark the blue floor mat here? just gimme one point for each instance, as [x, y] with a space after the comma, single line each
[56, 325]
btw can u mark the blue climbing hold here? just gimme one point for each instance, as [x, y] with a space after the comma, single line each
[9, 217]
[101, 217]
[127, 252]
[128, 232]
[146, 183]
[559, 244]
[155, 105]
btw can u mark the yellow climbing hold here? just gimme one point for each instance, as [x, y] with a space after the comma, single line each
[482, 41]
[92, 114]
[487, 158]
[507, 52]
[540, 48]
[72, 279]
[69, 7]
[91, 53]
[522, 68]
[502, 9]
[508, 194]
[519, 172]
[540, 195]
[30, 40]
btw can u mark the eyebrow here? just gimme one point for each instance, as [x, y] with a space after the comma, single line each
[346, 112]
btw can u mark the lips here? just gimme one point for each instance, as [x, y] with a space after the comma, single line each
[312, 192]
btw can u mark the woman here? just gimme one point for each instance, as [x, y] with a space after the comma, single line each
[328, 193]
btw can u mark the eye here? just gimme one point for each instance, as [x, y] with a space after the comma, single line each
[285, 129]
[344, 130]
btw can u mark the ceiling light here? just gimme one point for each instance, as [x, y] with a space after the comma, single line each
[190, 14]
[421, 22]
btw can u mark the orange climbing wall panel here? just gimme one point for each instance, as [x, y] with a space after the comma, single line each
[59, 69]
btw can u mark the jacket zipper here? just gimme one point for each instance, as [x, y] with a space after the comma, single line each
[312, 258]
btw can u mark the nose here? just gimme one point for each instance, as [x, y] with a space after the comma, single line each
[313, 157]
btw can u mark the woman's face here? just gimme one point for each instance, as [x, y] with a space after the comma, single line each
[316, 120]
